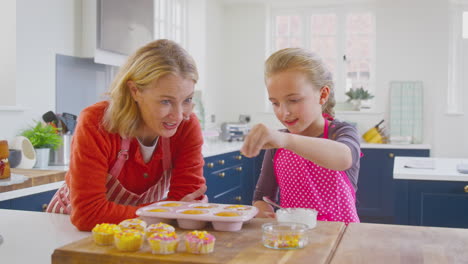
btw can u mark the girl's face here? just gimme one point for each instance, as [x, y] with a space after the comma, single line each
[163, 105]
[297, 103]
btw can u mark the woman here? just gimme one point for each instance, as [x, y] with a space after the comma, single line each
[141, 146]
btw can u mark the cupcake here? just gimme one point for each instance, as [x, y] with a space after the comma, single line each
[134, 223]
[159, 228]
[103, 234]
[199, 242]
[193, 212]
[163, 242]
[128, 240]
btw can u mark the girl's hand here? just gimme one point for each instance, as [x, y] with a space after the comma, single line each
[192, 196]
[264, 210]
[261, 137]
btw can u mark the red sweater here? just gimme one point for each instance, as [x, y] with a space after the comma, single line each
[94, 152]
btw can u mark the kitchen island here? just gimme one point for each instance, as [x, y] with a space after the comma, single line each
[32, 237]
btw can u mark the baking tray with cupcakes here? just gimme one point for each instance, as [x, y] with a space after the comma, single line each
[193, 215]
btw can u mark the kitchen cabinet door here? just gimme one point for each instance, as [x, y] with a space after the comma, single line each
[376, 187]
[34, 202]
[438, 203]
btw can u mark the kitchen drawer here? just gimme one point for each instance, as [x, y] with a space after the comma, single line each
[224, 179]
[232, 196]
[34, 202]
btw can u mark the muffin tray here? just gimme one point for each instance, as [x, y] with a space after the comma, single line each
[189, 215]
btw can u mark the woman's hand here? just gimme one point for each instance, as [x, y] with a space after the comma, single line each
[261, 137]
[192, 196]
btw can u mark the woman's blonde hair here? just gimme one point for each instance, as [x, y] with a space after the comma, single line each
[309, 63]
[149, 63]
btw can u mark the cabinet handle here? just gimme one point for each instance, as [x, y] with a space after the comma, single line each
[210, 165]
[221, 174]
[239, 169]
[238, 198]
[221, 162]
[466, 188]
[239, 157]
[391, 155]
[44, 207]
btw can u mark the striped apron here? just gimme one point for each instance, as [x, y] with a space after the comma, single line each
[116, 192]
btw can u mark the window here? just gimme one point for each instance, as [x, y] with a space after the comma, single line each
[458, 58]
[170, 20]
[343, 37]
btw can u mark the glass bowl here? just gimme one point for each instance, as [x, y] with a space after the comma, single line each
[284, 235]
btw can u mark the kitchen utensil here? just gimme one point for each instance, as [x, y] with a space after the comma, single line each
[61, 155]
[50, 117]
[270, 202]
[304, 216]
[70, 121]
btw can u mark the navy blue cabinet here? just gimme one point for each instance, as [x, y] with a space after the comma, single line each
[34, 202]
[433, 203]
[231, 177]
[225, 175]
[376, 187]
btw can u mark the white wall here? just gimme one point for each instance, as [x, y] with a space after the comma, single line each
[412, 44]
[43, 29]
[8, 54]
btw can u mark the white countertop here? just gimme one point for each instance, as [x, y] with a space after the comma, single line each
[31, 237]
[444, 169]
[395, 146]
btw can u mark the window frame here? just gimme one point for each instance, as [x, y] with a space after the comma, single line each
[166, 24]
[458, 49]
[341, 11]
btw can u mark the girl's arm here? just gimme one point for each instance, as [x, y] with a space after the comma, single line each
[324, 152]
[266, 186]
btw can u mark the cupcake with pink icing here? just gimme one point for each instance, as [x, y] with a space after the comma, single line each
[159, 228]
[163, 242]
[199, 242]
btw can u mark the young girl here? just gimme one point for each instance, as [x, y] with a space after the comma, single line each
[315, 162]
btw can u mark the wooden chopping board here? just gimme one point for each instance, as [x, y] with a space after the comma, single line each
[376, 243]
[244, 246]
[36, 177]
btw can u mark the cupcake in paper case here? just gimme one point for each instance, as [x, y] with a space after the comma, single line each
[159, 228]
[134, 223]
[163, 242]
[199, 242]
[128, 240]
[103, 234]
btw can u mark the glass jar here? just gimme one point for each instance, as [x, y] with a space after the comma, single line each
[284, 235]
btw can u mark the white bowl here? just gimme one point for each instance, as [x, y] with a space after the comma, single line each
[297, 215]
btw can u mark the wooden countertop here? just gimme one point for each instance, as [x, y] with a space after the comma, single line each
[244, 246]
[36, 177]
[378, 243]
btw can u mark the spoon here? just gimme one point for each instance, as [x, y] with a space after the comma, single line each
[270, 202]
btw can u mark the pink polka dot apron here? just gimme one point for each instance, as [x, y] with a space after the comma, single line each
[304, 184]
[116, 192]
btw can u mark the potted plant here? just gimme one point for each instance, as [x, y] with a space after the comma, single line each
[355, 96]
[43, 137]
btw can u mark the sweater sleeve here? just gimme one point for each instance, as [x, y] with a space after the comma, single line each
[89, 166]
[187, 158]
[267, 184]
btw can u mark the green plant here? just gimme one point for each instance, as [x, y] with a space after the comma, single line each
[358, 94]
[43, 136]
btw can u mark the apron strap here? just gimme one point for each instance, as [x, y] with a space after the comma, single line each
[167, 157]
[121, 158]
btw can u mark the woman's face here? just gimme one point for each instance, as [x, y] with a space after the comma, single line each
[296, 102]
[163, 105]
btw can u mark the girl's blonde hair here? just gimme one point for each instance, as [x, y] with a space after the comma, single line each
[309, 63]
[149, 63]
